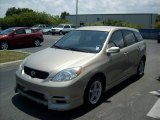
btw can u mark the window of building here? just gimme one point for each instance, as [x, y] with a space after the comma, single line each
[98, 19]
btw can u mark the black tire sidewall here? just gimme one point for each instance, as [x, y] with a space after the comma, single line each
[138, 71]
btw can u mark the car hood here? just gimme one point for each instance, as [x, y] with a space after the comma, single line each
[52, 59]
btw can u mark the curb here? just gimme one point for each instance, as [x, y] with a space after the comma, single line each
[6, 64]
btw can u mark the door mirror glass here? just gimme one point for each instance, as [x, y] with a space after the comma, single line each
[113, 50]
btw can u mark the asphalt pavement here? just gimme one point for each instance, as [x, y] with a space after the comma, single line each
[129, 100]
[49, 40]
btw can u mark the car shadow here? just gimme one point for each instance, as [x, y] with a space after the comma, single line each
[41, 112]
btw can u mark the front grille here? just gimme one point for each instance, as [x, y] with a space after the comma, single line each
[35, 73]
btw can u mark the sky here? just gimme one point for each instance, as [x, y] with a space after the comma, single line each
[55, 7]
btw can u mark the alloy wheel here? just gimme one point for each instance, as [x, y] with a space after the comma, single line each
[37, 43]
[4, 45]
[95, 92]
[141, 68]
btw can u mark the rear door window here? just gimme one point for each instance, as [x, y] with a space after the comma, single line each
[66, 26]
[116, 40]
[129, 37]
[20, 31]
[138, 36]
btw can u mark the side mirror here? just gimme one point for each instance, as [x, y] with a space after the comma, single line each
[113, 50]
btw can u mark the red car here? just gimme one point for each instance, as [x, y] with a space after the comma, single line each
[17, 36]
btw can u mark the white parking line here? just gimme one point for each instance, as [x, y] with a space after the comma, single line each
[155, 111]
[157, 93]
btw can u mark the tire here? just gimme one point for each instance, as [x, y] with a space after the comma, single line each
[36, 43]
[49, 33]
[4, 46]
[61, 33]
[140, 69]
[94, 91]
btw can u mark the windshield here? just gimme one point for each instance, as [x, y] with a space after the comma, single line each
[7, 31]
[83, 41]
[60, 26]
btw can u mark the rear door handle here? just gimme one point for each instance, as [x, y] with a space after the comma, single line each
[138, 48]
[125, 53]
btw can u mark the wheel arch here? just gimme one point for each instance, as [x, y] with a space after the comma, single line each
[103, 80]
[144, 58]
[98, 74]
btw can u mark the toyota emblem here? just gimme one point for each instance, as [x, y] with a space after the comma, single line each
[33, 73]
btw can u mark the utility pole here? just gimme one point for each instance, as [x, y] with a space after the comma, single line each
[76, 13]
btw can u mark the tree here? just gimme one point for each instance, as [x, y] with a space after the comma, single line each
[64, 14]
[11, 11]
[157, 24]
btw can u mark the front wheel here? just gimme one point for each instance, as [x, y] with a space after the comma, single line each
[93, 92]
[140, 70]
[4, 46]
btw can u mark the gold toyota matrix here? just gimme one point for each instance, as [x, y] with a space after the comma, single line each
[81, 66]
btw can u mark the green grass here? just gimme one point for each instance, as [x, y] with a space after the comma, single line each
[8, 56]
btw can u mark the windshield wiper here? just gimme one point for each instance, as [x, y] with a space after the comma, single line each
[75, 49]
[70, 48]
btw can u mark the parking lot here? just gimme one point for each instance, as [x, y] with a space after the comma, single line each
[49, 40]
[130, 100]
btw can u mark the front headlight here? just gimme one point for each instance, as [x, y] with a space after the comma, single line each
[67, 74]
[21, 66]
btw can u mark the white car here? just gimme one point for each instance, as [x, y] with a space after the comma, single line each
[63, 28]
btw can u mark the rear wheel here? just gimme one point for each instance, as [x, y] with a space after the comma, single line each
[140, 70]
[36, 43]
[93, 92]
[4, 46]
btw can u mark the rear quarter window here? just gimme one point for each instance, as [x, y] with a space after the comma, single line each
[28, 31]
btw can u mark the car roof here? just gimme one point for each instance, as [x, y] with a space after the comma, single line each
[105, 28]
[16, 28]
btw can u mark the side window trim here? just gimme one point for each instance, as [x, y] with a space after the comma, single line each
[125, 43]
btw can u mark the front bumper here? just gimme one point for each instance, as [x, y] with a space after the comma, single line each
[58, 98]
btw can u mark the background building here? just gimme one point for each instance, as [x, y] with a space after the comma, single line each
[145, 19]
